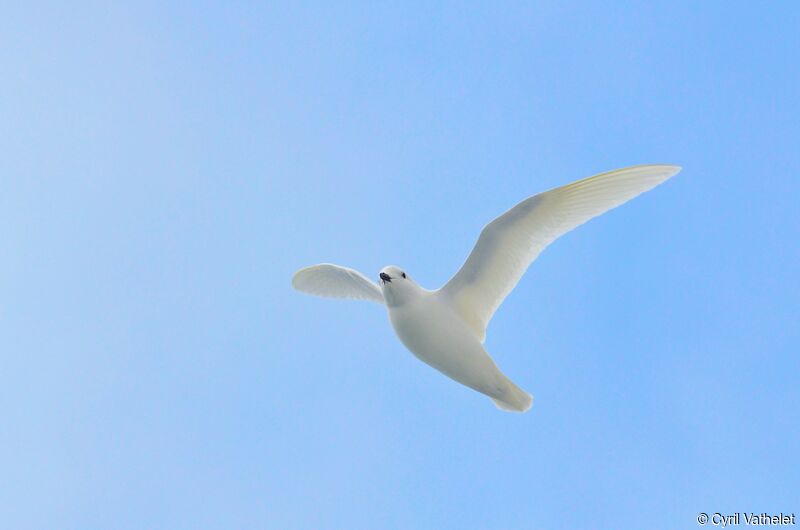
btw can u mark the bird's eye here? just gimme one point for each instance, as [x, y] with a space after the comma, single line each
[403, 274]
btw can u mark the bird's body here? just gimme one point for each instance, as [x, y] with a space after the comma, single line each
[427, 325]
[446, 328]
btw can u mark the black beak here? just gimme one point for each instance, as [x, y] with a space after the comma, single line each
[386, 278]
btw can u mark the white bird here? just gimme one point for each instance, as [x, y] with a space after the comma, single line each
[446, 328]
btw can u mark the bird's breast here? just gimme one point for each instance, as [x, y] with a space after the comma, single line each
[431, 330]
[437, 336]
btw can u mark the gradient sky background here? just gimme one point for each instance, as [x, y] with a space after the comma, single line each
[165, 168]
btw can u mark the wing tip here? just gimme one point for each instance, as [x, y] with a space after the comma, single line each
[673, 169]
[669, 170]
[654, 172]
[297, 277]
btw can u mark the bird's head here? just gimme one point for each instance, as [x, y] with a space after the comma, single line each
[397, 285]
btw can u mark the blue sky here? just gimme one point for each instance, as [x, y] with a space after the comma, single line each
[166, 167]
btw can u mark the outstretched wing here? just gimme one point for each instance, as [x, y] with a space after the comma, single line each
[510, 243]
[334, 281]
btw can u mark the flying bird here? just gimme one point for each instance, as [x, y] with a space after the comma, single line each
[446, 328]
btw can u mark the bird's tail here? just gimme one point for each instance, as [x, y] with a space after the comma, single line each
[513, 399]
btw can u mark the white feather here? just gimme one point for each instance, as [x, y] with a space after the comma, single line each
[510, 243]
[335, 281]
